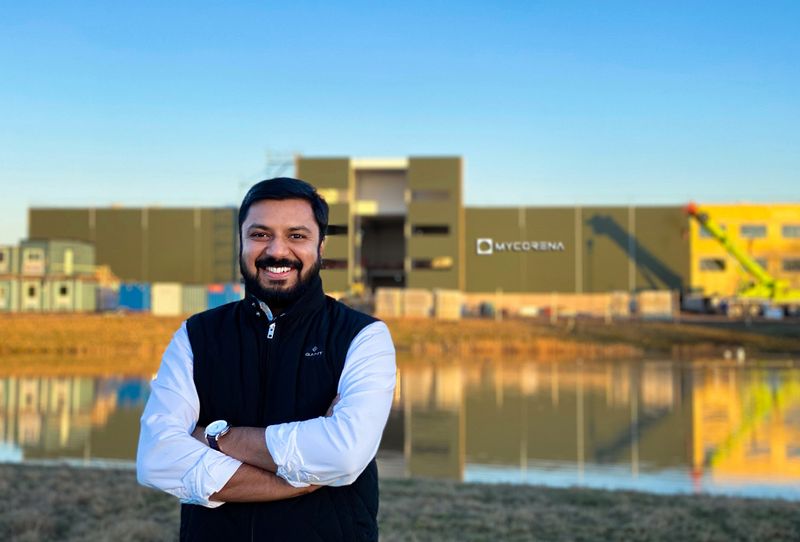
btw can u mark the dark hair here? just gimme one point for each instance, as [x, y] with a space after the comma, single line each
[281, 188]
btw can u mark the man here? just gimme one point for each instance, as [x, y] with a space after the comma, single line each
[266, 414]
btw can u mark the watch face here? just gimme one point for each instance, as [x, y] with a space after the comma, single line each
[215, 428]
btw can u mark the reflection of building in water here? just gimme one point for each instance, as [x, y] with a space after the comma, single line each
[55, 417]
[433, 421]
[747, 425]
[510, 413]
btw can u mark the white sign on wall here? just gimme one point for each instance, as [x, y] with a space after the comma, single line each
[486, 246]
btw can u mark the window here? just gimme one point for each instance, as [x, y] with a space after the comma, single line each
[63, 291]
[334, 264]
[33, 255]
[2, 257]
[430, 195]
[792, 265]
[337, 229]
[420, 229]
[752, 231]
[790, 231]
[762, 262]
[441, 263]
[712, 264]
[31, 291]
[704, 232]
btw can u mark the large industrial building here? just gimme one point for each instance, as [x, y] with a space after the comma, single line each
[401, 222]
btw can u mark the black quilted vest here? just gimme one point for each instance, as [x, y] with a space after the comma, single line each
[251, 376]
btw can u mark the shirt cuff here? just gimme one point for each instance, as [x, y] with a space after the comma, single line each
[289, 471]
[209, 476]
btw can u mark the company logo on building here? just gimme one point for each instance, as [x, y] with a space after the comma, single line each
[485, 246]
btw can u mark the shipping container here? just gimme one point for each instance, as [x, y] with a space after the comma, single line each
[31, 296]
[194, 299]
[85, 296]
[107, 298]
[9, 295]
[220, 294]
[134, 296]
[166, 298]
[9, 260]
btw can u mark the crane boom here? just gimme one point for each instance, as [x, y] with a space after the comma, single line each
[764, 285]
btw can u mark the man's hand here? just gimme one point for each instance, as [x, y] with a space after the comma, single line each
[200, 434]
[248, 444]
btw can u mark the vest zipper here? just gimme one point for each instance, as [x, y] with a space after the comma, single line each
[271, 330]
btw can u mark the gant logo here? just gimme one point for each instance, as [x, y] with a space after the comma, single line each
[314, 352]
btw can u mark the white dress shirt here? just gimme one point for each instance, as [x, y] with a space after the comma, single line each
[322, 451]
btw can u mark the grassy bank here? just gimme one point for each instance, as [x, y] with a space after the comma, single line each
[62, 503]
[133, 343]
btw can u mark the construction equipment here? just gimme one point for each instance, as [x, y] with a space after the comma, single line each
[757, 295]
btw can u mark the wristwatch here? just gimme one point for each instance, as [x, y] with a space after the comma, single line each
[215, 431]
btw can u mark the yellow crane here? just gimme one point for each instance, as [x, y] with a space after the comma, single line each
[763, 290]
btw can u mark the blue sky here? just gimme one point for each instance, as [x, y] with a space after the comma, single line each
[549, 103]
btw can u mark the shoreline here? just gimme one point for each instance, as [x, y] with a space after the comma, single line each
[132, 344]
[66, 503]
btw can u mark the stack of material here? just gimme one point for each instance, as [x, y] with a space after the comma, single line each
[389, 302]
[657, 304]
[167, 299]
[447, 304]
[134, 296]
[417, 303]
[194, 299]
[619, 305]
[220, 294]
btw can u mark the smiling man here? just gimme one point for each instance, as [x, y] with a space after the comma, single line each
[266, 414]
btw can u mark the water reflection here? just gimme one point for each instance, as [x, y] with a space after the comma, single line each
[655, 426]
[78, 417]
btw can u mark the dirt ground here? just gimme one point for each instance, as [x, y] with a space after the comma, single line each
[43, 503]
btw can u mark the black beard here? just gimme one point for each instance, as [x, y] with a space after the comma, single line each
[278, 299]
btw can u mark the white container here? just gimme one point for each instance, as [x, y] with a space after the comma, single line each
[447, 304]
[388, 302]
[166, 299]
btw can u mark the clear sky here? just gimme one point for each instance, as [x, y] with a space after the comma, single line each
[178, 103]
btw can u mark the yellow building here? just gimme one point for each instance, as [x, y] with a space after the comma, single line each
[769, 233]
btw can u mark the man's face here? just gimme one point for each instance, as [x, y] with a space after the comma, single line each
[280, 250]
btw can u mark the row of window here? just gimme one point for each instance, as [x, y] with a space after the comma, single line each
[416, 229]
[759, 231]
[32, 292]
[718, 264]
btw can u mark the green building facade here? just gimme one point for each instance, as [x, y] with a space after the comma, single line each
[191, 246]
[401, 222]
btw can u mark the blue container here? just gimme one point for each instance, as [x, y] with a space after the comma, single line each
[107, 299]
[219, 294]
[134, 297]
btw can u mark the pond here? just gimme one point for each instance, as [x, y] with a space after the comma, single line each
[709, 426]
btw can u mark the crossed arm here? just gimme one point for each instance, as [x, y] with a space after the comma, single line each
[255, 464]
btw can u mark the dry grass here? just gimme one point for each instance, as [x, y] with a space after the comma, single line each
[62, 503]
[132, 344]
